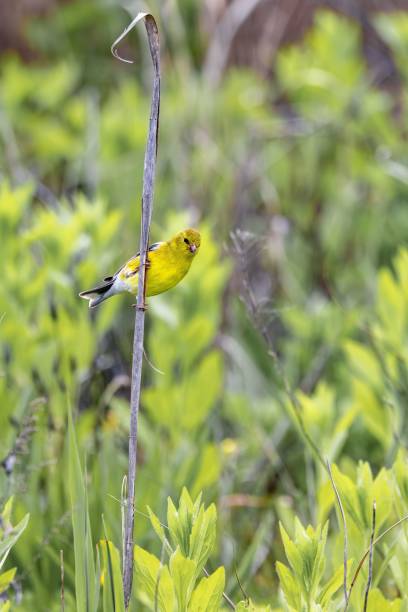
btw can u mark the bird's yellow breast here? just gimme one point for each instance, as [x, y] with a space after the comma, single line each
[167, 267]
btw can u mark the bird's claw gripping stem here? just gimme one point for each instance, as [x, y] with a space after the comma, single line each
[143, 308]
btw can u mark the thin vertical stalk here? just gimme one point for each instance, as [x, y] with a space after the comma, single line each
[62, 581]
[147, 206]
[370, 560]
[345, 537]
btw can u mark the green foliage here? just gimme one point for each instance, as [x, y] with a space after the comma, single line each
[190, 541]
[111, 577]
[310, 173]
[301, 585]
[86, 583]
[9, 534]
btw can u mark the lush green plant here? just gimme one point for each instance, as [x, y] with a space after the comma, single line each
[9, 534]
[315, 278]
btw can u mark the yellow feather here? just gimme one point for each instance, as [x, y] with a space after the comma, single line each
[168, 263]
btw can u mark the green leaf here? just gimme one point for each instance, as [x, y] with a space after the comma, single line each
[157, 526]
[203, 536]
[349, 496]
[333, 585]
[181, 521]
[111, 578]
[249, 606]
[154, 580]
[306, 556]
[376, 418]
[378, 603]
[183, 572]
[13, 534]
[291, 551]
[207, 595]
[6, 578]
[400, 471]
[209, 469]
[202, 389]
[86, 580]
[363, 363]
[289, 586]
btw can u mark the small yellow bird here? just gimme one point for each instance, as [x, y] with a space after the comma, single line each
[168, 263]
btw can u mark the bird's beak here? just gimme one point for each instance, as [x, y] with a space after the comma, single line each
[193, 248]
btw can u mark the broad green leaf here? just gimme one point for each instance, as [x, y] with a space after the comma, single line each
[348, 493]
[207, 595]
[291, 551]
[8, 541]
[289, 586]
[383, 493]
[183, 572]
[6, 578]
[154, 580]
[378, 603]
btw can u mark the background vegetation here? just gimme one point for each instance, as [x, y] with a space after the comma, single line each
[287, 344]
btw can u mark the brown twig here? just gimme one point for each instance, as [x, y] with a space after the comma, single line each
[345, 539]
[147, 205]
[370, 559]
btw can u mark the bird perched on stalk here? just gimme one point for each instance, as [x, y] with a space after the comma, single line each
[167, 264]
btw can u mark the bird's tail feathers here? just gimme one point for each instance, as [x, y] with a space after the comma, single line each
[98, 294]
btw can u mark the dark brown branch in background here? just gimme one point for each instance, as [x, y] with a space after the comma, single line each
[147, 206]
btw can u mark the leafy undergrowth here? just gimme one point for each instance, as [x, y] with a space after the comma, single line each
[291, 327]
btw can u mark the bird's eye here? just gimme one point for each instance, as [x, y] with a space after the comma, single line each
[186, 240]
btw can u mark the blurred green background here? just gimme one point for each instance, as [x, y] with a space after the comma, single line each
[283, 138]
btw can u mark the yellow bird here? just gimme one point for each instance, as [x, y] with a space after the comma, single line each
[168, 263]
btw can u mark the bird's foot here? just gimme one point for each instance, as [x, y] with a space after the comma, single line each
[143, 307]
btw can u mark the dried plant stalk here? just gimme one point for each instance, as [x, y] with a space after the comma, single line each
[147, 206]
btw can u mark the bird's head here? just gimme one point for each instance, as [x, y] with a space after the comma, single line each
[188, 241]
